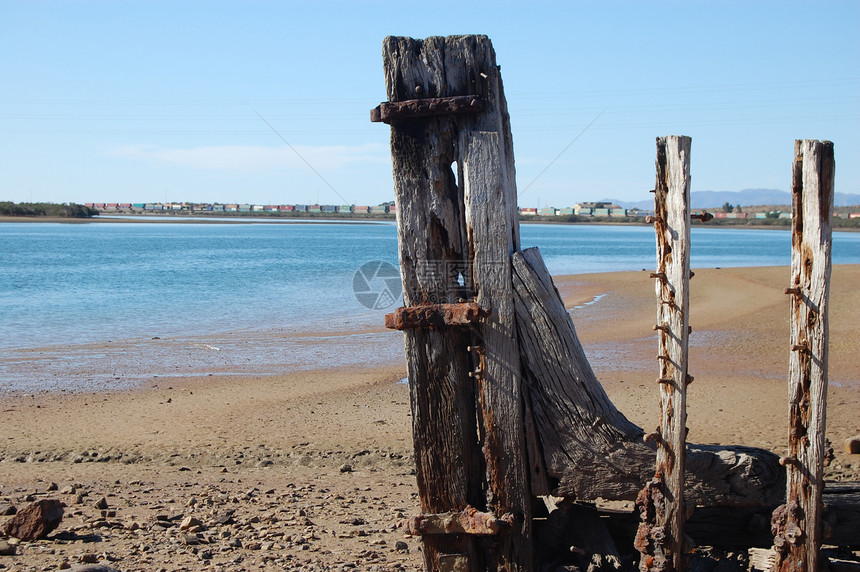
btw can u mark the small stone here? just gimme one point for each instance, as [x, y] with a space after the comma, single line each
[101, 504]
[7, 509]
[190, 539]
[89, 558]
[93, 568]
[852, 445]
[401, 546]
[7, 549]
[68, 490]
[35, 521]
[346, 468]
[189, 522]
[53, 486]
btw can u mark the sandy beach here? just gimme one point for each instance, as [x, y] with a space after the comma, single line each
[312, 469]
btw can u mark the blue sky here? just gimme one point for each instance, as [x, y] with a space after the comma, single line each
[132, 101]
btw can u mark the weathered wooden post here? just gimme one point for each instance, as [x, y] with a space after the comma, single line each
[446, 108]
[797, 523]
[660, 538]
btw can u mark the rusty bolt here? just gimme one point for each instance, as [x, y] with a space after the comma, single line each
[665, 380]
[663, 328]
[790, 460]
[658, 275]
[793, 290]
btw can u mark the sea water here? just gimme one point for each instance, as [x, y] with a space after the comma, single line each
[82, 305]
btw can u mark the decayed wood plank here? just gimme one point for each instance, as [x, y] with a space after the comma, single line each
[432, 241]
[435, 263]
[590, 449]
[412, 108]
[487, 192]
[798, 522]
[660, 538]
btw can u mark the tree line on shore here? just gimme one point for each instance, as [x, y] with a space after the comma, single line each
[64, 210]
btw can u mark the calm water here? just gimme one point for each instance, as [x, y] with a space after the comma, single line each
[63, 286]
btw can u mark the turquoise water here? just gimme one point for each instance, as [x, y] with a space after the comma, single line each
[63, 286]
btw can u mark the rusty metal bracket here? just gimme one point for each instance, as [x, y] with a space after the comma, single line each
[435, 316]
[467, 521]
[427, 107]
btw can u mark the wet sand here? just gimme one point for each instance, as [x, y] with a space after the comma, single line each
[316, 463]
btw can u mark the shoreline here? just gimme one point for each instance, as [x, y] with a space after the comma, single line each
[263, 219]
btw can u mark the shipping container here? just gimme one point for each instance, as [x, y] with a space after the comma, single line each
[314, 209]
[566, 211]
[286, 208]
[217, 207]
[245, 208]
[344, 209]
[583, 211]
[761, 215]
[600, 212]
[361, 209]
[328, 208]
[530, 211]
[854, 215]
[618, 211]
[301, 208]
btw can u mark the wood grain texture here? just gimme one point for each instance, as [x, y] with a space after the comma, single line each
[487, 191]
[438, 253]
[589, 449]
[798, 523]
[661, 534]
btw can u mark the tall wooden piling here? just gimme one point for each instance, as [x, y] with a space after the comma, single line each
[456, 219]
[661, 534]
[797, 524]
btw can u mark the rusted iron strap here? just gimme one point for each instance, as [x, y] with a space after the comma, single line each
[410, 108]
[435, 316]
[468, 521]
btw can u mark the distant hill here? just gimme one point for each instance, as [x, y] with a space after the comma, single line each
[746, 197]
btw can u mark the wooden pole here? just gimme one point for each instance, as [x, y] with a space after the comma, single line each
[454, 182]
[797, 524]
[487, 193]
[660, 538]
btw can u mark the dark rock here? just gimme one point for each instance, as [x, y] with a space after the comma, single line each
[36, 520]
[346, 468]
[401, 546]
[93, 568]
[101, 504]
[7, 509]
